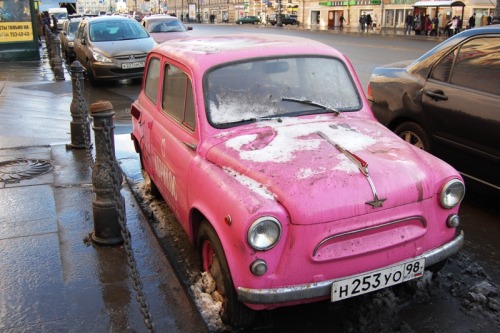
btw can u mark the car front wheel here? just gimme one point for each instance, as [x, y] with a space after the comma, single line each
[212, 260]
[413, 134]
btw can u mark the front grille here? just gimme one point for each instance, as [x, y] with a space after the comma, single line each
[135, 57]
[371, 239]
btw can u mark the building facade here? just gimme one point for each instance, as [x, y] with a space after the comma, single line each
[385, 14]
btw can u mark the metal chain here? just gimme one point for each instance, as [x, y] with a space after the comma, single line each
[117, 177]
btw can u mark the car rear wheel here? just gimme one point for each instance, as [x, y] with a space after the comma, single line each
[148, 182]
[414, 134]
[212, 260]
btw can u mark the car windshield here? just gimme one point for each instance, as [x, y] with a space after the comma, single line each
[116, 30]
[73, 26]
[166, 26]
[280, 87]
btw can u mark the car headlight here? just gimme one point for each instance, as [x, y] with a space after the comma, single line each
[99, 57]
[452, 193]
[264, 233]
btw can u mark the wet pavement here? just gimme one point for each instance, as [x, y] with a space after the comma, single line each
[52, 279]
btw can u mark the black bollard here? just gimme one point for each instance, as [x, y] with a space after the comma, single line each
[80, 128]
[106, 178]
[58, 62]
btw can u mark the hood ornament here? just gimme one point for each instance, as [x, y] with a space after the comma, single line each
[362, 166]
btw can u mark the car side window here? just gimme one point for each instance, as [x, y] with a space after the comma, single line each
[152, 80]
[475, 65]
[178, 99]
[478, 65]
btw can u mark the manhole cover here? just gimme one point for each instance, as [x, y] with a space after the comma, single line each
[17, 170]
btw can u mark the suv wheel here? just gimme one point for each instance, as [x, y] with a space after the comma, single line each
[414, 134]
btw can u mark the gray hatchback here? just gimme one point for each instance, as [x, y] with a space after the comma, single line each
[112, 48]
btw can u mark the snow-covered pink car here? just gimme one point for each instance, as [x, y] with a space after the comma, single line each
[268, 154]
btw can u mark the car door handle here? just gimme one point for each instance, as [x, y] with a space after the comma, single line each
[436, 95]
[150, 124]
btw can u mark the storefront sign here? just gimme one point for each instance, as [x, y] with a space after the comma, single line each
[15, 21]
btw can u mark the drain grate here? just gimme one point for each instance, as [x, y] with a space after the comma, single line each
[17, 170]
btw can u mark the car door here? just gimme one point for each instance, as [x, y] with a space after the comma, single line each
[174, 139]
[148, 107]
[78, 43]
[461, 103]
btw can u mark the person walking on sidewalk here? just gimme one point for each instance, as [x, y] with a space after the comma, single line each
[342, 20]
[472, 21]
[408, 24]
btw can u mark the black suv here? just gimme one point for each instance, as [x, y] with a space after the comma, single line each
[285, 19]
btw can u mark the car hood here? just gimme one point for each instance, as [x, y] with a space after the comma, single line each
[124, 47]
[310, 166]
[161, 37]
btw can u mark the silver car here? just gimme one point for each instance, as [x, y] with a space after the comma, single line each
[165, 27]
[112, 48]
[67, 36]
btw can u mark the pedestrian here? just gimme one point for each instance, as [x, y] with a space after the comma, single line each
[427, 25]
[472, 21]
[458, 25]
[417, 24]
[435, 26]
[489, 19]
[408, 24]
[54, 24]
[39, 26]
[369, 22]
[362, 22]
[342, 20]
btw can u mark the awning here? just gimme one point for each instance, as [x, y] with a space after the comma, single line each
[439, 4]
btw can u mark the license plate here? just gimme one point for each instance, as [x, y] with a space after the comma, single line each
[137, 64]
[379, 279]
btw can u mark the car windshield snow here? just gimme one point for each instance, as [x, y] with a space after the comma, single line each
[260, 89]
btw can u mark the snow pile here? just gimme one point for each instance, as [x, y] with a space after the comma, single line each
[483, 294]
[209, 302]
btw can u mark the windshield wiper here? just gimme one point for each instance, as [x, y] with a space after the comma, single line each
[309, 102]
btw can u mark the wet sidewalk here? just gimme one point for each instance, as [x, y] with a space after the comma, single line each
[52, 279]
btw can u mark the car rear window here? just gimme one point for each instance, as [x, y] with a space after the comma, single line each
[257, 88]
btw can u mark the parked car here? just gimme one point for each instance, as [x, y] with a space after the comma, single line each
[285, 19]
[248, 20]
[165, 27]
[286, 184]
[112, 47]
[447, 102]
[67, 36]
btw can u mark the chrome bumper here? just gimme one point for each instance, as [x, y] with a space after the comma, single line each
[322, 289]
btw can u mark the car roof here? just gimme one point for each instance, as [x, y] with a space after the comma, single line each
[206, 51]
[109, 18]
[158, 17]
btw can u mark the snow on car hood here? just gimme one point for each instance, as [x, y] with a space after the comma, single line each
[315, 168]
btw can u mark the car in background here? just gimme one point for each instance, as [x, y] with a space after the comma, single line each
[285, 19]
[286, 184]
[67, 36]
[248, 20]
[163, 27]
[447, 102]
[112, 48]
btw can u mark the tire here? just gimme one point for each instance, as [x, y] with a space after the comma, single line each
[413, 134]
[212, 260]
[150, 185]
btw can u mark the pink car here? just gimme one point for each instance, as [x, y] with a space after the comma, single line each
[265, 149]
